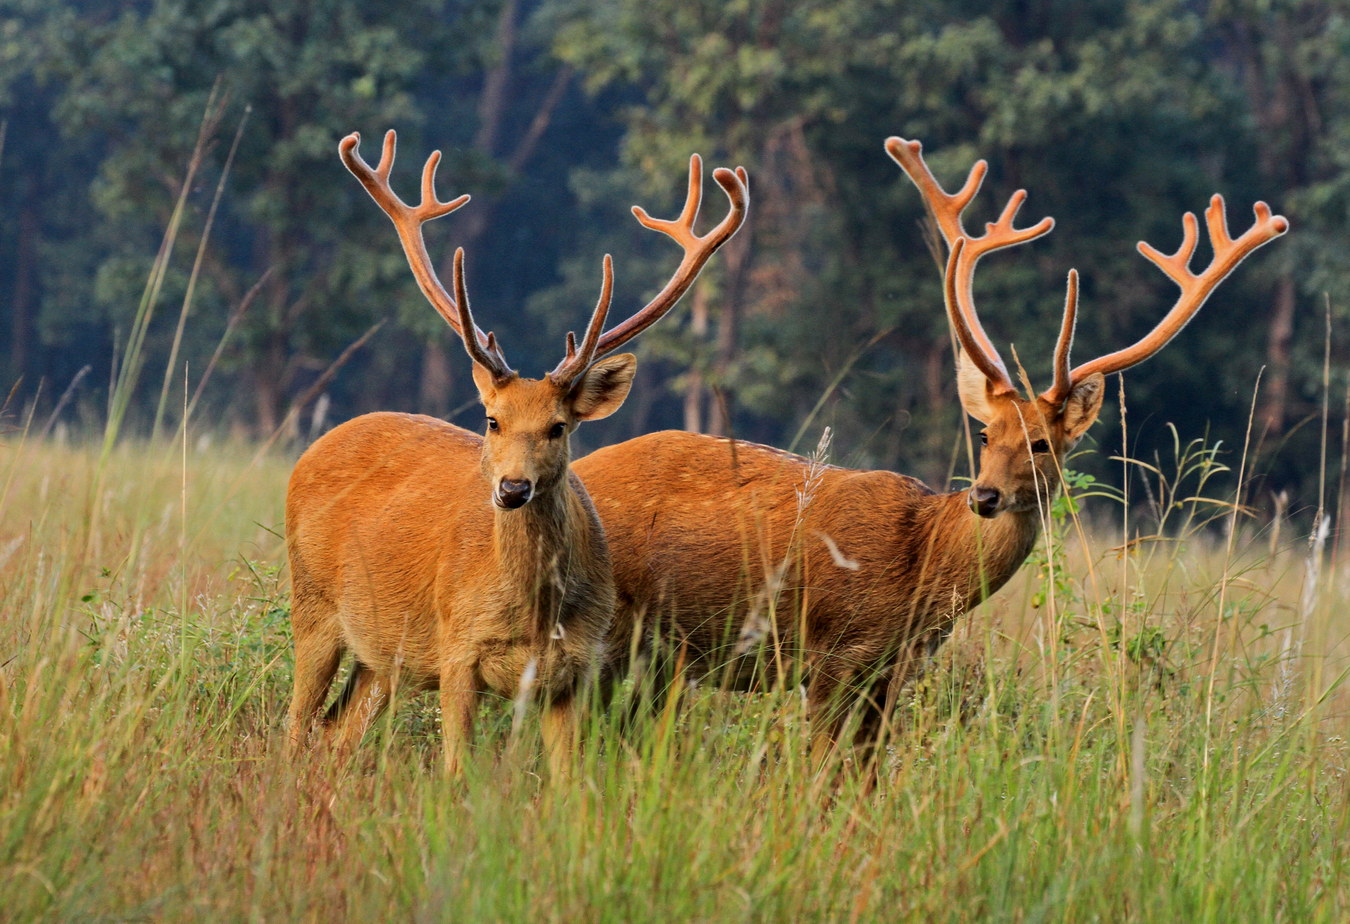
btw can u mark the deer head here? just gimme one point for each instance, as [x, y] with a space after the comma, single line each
[525, 448]
[1024, 441]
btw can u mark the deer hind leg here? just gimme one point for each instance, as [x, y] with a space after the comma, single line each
[828, 698]
[559, 725]
[361, 702]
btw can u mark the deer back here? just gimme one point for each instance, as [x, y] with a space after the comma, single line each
[854, 563]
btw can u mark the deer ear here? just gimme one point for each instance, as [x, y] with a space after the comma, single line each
[486, 382]
[973, 387]
[603, 387]
[1082, 406]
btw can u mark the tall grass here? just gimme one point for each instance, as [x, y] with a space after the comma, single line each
[1054, 764]
[1124, 732]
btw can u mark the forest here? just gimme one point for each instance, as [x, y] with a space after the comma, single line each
[177, 220]
[1146, 722]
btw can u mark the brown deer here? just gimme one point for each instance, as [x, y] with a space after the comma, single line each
[871, 567]
[444, 559]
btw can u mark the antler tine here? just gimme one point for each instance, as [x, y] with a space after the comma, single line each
[486, 354]
[1195, 288]
[967, 334]
[697, 249]
[576, 361]
[408, 220]
[1001, 233]
[1063, 382]
[997, 235]
[945, 207]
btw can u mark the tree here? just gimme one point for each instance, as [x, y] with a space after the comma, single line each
[517, 91]
[1287, 59]
[1101, 109]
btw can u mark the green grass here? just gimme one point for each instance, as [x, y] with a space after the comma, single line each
[1163, 737]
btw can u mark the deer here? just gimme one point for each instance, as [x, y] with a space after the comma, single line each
[873, 567]
[444, 559]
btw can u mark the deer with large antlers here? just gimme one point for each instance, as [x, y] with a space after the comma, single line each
[871, 567]
[446, 560]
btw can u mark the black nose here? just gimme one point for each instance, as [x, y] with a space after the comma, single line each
[512, 494]
[984, 501]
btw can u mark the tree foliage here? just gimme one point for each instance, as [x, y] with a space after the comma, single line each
[558, 114]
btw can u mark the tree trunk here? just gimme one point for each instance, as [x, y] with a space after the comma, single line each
[269, 386]
[492, 112]
[738, 257]
[1280, 337]
[21, 323]
[694, 389]
[436, 386]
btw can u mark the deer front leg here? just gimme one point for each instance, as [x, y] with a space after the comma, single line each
[459, 701]
[559, 725]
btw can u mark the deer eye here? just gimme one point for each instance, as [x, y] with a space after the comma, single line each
[492, 424]
[1040, 446]
[557, 430]
[984, 438]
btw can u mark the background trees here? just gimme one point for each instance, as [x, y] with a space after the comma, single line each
[557, 114]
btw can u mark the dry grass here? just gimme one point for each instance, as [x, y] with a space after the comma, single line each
[1116, 735]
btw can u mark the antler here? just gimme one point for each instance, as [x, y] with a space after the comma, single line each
[408, 220]
[483, 348]
[697, 251]
[486, 354]
[966, 250]
[1195, 289]
[575, 361]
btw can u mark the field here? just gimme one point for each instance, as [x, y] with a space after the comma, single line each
[1155, 732]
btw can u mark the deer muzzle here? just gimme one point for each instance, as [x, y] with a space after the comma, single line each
[512, 493]
[985, 501]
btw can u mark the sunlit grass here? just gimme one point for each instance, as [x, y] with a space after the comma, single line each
[1098, 741]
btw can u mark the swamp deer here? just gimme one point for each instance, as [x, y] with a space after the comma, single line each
[872, 567]
[444, 559]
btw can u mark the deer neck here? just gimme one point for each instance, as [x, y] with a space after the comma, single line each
[982, 554]
[540, 550]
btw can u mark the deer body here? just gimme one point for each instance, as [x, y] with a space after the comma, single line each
[399, 556]
[876, 565]
[446, 560]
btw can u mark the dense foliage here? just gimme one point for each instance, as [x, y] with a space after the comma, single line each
[558, 114]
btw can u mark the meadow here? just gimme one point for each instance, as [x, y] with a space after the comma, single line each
[1152, 730]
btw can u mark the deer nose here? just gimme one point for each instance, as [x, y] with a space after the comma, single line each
[512, 493]
[984, 501]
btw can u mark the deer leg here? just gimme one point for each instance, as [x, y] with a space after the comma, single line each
[317, 655]
[652, 674]
[559, 724]
[360, 703]
[877, 709]
[825, 708]
[459, 701]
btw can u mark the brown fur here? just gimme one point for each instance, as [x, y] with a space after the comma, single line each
[697, 525]
[399, 555]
